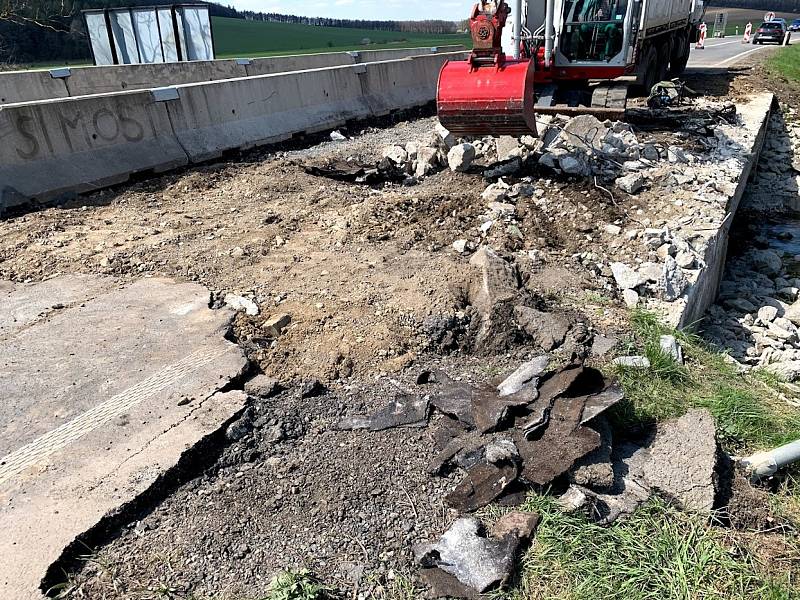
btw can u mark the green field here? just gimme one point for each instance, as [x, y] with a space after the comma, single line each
[238, 38]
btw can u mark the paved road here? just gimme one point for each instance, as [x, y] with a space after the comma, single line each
[103, 386]
[723, 53]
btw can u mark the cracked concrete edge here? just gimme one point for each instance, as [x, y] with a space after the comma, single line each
[193, 460]
[689, 309]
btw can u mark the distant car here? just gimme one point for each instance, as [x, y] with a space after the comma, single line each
[795, 26]
[771, 31]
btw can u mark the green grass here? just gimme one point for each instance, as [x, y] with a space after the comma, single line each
[786, 63]
[748, 413]
[296, 585]
[240, 38]
[659, 553]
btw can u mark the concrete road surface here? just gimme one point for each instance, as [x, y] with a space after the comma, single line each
[104, 387]
[724, 53]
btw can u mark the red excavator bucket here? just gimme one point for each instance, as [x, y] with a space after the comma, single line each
[493, 99]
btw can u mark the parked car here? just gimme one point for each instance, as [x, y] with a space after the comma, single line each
[795, 26]
[771, 31]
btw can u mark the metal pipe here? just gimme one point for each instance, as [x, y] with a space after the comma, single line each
[764, 464]
[516, 36]
[549, 32]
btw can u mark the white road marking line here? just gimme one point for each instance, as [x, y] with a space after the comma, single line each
[63, 435]
[710, 45]
[740, 55]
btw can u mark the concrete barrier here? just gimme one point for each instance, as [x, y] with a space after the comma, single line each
[240, 113]
[367, 56]
[33, 86]
[82, 144]
[401, 84]
[24, 86]
[103, 80]
[298, 62]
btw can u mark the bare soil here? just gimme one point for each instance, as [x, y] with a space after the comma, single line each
[361, 270]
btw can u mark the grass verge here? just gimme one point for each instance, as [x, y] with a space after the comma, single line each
[748, 412]
[785, 63]
[659, 553]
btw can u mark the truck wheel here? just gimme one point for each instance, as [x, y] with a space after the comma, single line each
[680, 55]
[649, 73]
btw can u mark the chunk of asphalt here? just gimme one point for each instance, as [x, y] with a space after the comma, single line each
[454, 399]
[595, 469]
[484, 482]
[489, 409]
[441, 584]
[563, 442]
[521, 526]
[527, 372]
[405, 410]
[597, 403]
[464, 551]
[465, 451]
[550, 388]
[682, 461]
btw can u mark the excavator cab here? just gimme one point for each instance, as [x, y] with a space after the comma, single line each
[489, 93]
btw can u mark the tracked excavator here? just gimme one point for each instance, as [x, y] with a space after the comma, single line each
[564, 56]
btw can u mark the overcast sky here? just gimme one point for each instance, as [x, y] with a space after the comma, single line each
[395, 10]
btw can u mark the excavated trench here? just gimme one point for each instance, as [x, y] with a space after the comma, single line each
[757, 313]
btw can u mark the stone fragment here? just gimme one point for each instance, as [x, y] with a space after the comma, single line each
[405, 410]
[740, 304]
[507, 147]
[396, 154]
[460, 246]
[336, 136]
[786, 370]
[685, 259]
[574, 165]
[670, 347]
[793, 313]
[444, 136]
[767, 314]
[311, 388]
[635, 362]
[631, 183]
[765, 261]
[583, 132]
[262, 386]
[499, 451]
[520, 525]
[631, 298]
[612, 229]
[495, 281]
[427, 159]
[676, 155]
[547, 330]
[241, 303]
[460, 157]
[275, 325]
[674, 280]
[495, 192]
[626, 277]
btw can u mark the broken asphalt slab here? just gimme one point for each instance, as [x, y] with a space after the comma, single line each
[105, 388]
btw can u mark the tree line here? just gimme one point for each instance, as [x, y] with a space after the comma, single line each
[54, 30]
[424, 26]
[792, 6]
